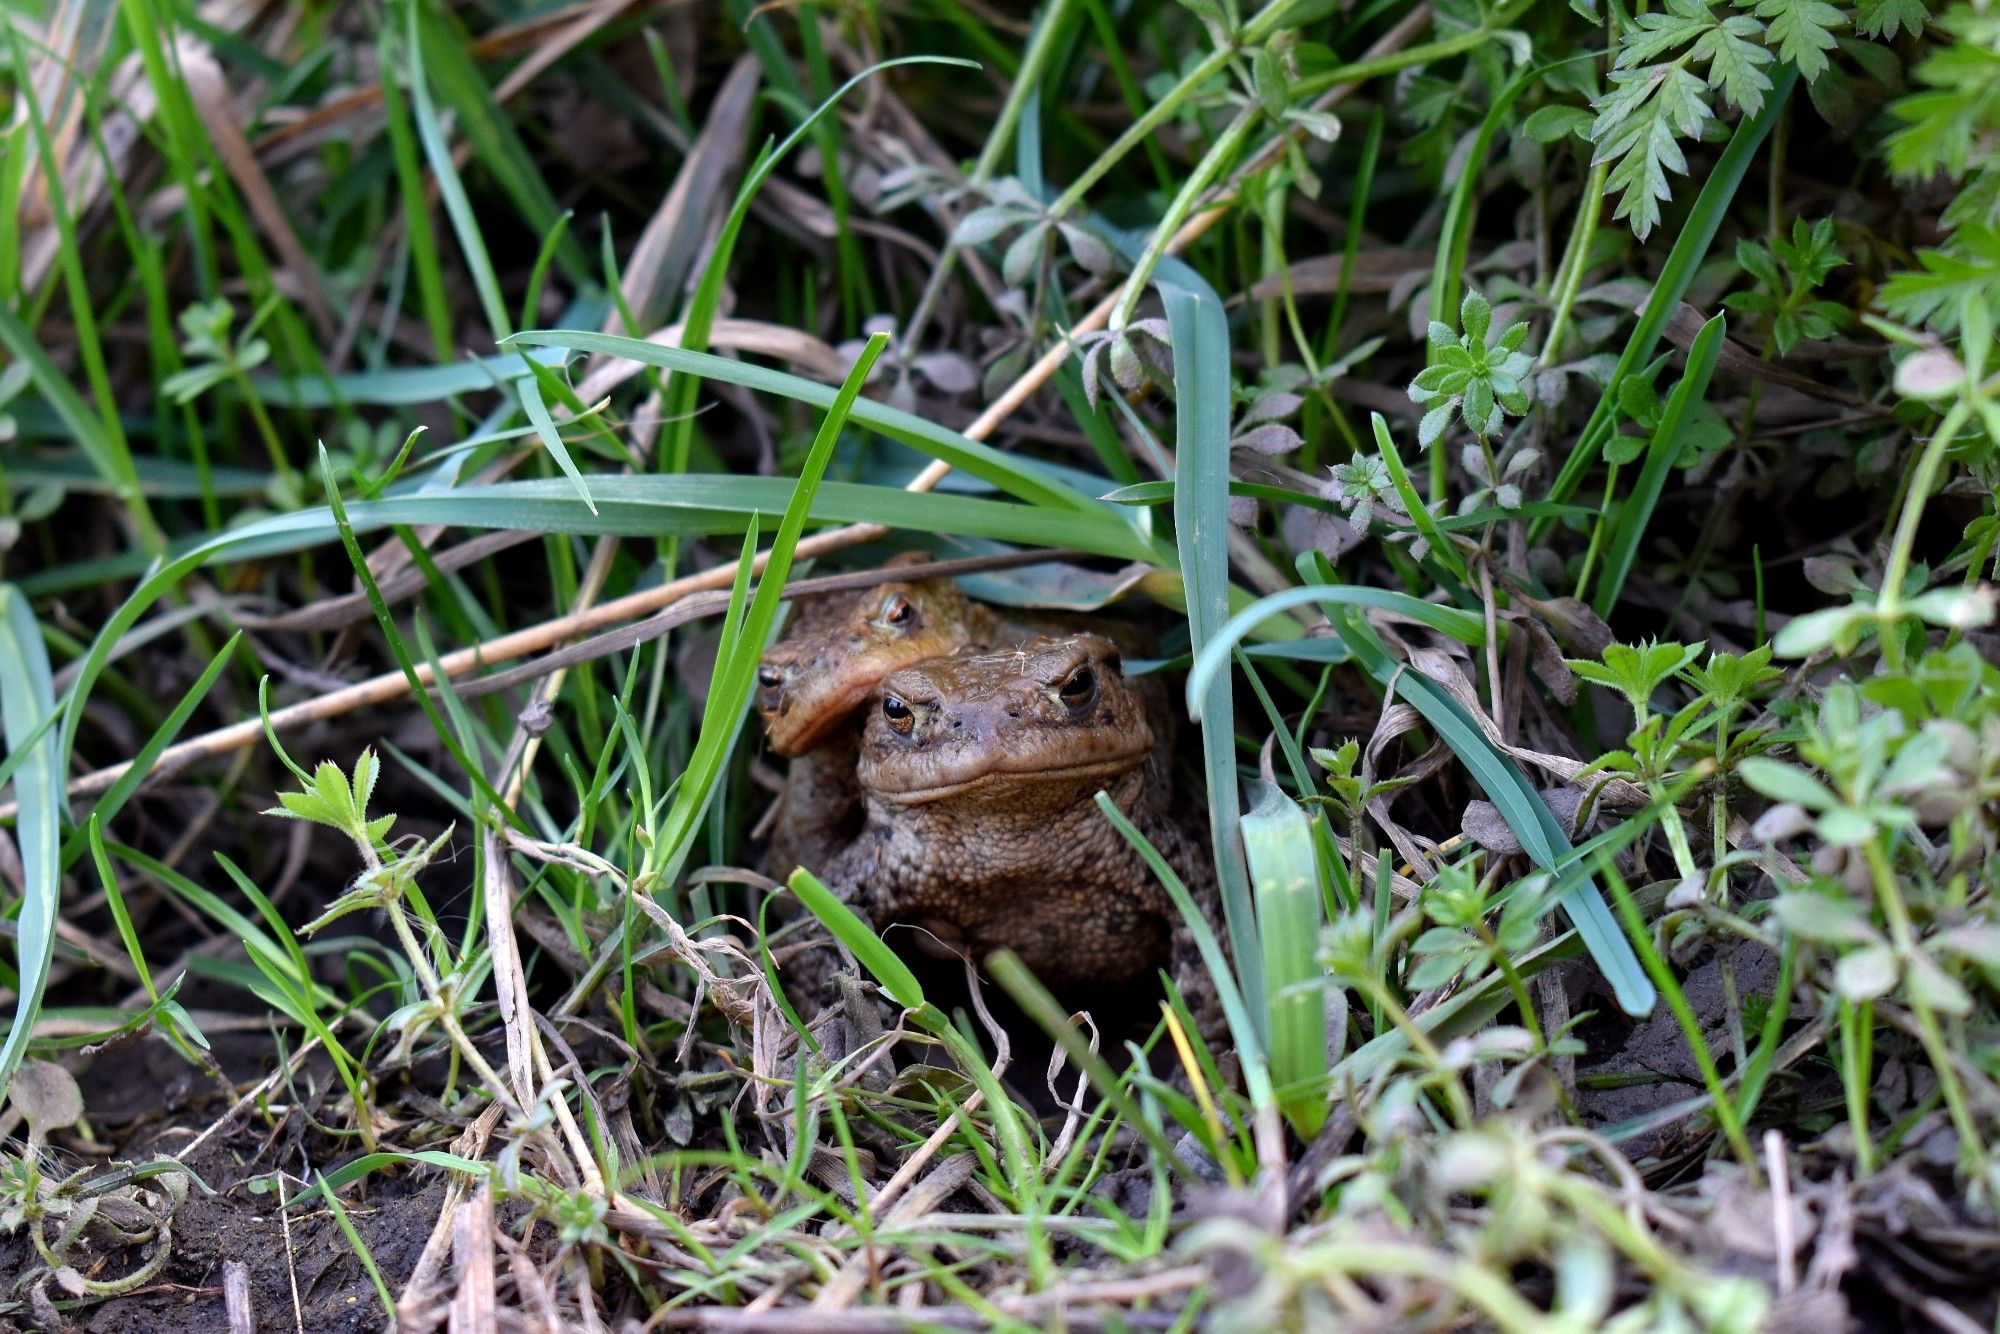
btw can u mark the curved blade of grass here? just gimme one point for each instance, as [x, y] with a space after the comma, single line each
[1541, 836]
[1242, 1027]
[27, 698]
[1321, 649]
[644, 506]
[282, 962]
[734, 675]
[1017, 476]
[1637, 513]
[1278, 841]
[401, 387]
[1690, 248]
[455, 744]
[889, 971]
[1035, 1000]
[1726, 1114]
[700, 315]
[114, 899]
[1463, 626]
[1495, 771]
[529, 389]
[360, 1249]
[163, 736]
[451, 190]
[1202, 381]
[356, 1168]
[1413, 504]
[638, 506]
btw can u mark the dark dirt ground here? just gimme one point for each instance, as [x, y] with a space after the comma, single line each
[145, 1102]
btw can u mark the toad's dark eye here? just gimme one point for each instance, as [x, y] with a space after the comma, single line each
[900, 716]
[770, 688]
[900, 612]
[1079, 690]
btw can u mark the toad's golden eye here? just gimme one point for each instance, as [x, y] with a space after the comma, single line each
[900, 716]
[900, 612]
[1079, 689]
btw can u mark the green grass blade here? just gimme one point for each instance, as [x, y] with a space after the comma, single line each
[269, 956]
[700, 317]
[114, 899]
[1243, 1026]
[453, 743]
[107, 453]
[451, 190]
[1278, 842]
[632, 506]
[538, 276]
[530, 390]
[1036, 1002]
[416, 208]
[1201, 529]
[641, 506]
[734, 676]
[1495, 771]
[14, 157]
[1413, 504]
[889, 971]
[1463, 626]
[1530, 819]
[1726, 1114]
[406, 386]
[27, 698]
[1016, 476]
[495, 143]
[1637, 512]
[360, 1249]
[113, 801]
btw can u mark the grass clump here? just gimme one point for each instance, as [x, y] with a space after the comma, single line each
[1553, 450]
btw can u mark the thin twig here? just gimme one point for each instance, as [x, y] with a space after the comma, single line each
[714, 604]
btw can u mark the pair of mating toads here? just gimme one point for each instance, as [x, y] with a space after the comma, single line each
[945, 765]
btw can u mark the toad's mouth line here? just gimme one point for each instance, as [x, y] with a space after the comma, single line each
[999, 774]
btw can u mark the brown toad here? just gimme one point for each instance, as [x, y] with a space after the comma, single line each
[982, 831]
[813, 684]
